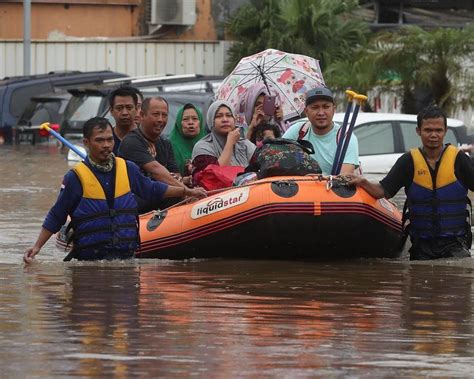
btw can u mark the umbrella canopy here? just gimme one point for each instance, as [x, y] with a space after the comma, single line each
[284, 75]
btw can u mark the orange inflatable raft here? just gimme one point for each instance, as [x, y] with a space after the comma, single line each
[276, 218]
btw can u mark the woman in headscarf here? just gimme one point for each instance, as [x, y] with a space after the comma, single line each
[253, 109]
[188, 130]
[224, 145]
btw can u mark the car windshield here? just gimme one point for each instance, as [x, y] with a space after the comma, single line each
[84, 107]
[21, 97]
[46, 112]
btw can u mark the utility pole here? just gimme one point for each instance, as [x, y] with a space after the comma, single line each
[26, 37]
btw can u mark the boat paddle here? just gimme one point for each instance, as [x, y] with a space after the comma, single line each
[350, 96]
[46, 129]
[360, 99]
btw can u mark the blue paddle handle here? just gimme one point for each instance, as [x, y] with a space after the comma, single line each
[342, 138]
[67, 143]
[347, 139]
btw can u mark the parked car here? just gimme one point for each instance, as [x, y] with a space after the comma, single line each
[91, 101]
[172, 83]
[384, 137]
[16, 92]
[43, 108]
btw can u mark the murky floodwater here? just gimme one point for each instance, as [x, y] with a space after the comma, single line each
[217, 318]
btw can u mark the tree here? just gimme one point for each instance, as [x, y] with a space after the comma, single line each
[328, 30]
[324, 29]
[426, 65]
[255, 27]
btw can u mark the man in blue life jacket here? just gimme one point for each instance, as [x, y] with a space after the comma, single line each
[98, 195]
[321, 131]
[436, 178]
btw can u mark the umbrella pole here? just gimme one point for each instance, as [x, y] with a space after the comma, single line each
[264, 79]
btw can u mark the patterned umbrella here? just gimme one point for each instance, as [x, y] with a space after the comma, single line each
[286, 76]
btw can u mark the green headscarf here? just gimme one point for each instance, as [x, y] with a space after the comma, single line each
[182, 146]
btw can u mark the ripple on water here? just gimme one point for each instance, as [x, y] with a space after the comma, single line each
[152, 318]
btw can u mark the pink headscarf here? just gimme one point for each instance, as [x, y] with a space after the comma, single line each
[247, 104]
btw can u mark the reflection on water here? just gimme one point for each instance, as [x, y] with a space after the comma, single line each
[176, 319]
[30, 177]
[217, 318]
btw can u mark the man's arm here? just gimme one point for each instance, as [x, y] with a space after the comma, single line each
[43, 237]
[193, 193]
[66, 202]
[347, 169]
[68, 199]
[351, 159]
[400, 175]
[374, 189]
[153, 190]
[159, 172]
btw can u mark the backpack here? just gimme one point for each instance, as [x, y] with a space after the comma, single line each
[283, 157]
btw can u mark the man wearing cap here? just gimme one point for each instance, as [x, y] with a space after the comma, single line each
[322, 132]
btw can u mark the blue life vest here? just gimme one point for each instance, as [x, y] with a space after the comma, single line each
[437, 204]
[100, 228]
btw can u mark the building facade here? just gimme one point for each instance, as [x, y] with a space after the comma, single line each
[61, 19]
[191, 20]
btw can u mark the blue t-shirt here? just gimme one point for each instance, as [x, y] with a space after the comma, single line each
[71, 193]
[325, 146]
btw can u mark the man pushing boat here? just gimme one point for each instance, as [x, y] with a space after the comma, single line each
[98, 195]
[436, 178]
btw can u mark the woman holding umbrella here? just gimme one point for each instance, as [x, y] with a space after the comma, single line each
[224, 146]
[256, 112]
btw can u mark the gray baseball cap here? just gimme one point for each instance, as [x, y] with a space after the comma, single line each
[319, 93]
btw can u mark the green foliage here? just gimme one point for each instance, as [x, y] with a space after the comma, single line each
[435, 62]
[255, 27]
[324, 29]
[411, 60]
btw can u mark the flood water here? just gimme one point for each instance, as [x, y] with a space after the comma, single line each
[216, 318]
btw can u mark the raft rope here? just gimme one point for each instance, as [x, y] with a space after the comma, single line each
[332, 182]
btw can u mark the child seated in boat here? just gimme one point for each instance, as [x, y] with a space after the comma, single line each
[264, 131]
[223, 150]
